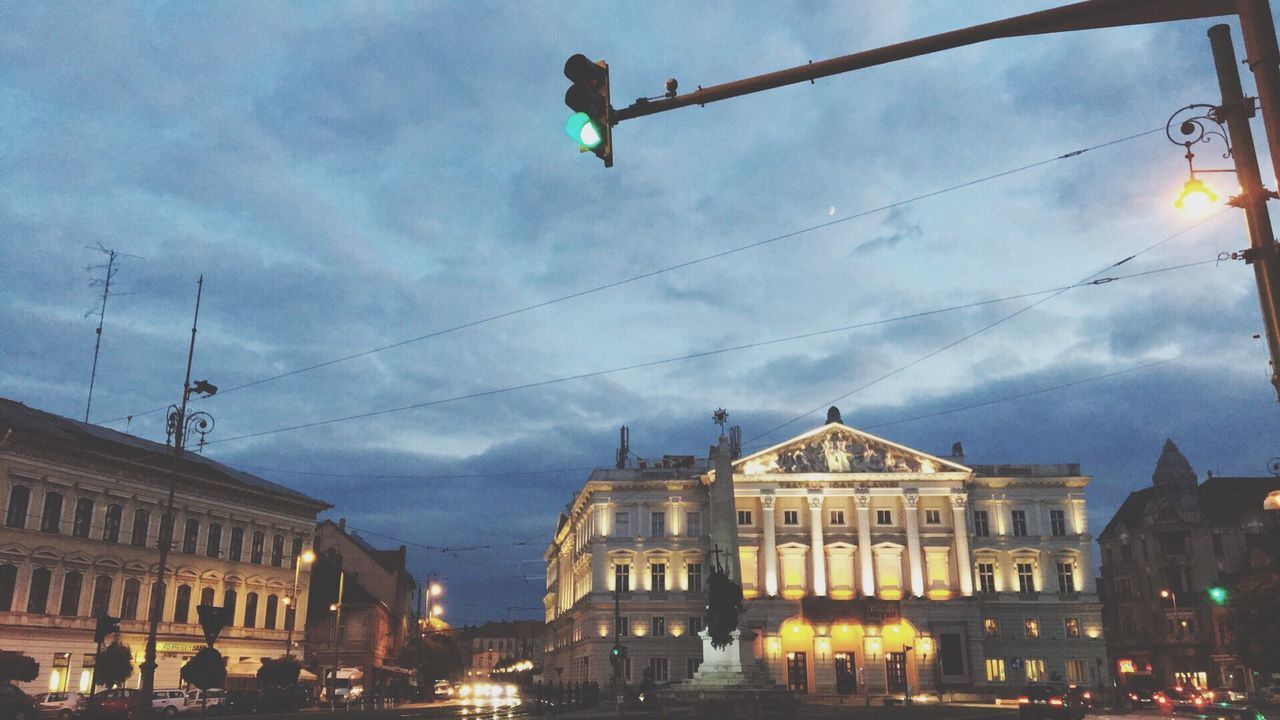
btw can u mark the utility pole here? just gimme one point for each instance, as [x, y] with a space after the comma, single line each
[1235, 112]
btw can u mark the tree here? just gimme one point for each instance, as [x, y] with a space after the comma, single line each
[279, 672]
[206, 670]
[14, 666]
[114, 665]
[436, 657]
[1253, 633]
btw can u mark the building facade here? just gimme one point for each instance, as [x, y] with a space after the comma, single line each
[1163, 550]
[499, 645]
[83, 513]
[868, 568]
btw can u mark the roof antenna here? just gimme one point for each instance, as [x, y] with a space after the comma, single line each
[109, 272]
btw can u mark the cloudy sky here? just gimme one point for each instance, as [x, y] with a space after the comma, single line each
[349, 176]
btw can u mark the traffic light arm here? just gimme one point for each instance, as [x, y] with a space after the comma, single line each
[1091, 14]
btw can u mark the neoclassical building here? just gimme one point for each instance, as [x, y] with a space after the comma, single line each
[83, 514]
[868, 567]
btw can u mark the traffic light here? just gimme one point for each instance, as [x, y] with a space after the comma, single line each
[1218, 595]
[590, 124]
[107, 625]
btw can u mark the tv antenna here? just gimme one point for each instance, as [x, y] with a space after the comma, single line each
[109, 271]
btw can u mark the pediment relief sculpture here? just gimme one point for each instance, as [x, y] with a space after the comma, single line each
[842, 450]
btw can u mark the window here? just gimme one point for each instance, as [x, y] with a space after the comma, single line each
[982, 529]
[51, 520]
[1035, 669]
[932, 517]
[693, 523]
[61, 669]
[622, 577]
[622, 626]
[1033, 628]
[884, 517]
[38, 595]
[995, 670]
[1126, 553]
[165, 538]
[101, 601]
[1072, 626]
[111, 524]
[141, 526]
[1066, 577]
[290, 612]
[837, 517]
[251, 610]
[657, 524]
[991, 627]
[744, 517]
[19, 499]
[693, 572]
[206, 596]
[658, 669]
[157, 599]
[83, 518]
[691, 667]
[295, 552]
[1077, 673]
[213, 547]
[658, 577]
[182, 604]
[1217, 545]
[1019, 523]
[8, 584]
[71, 584]
[1026, 578]
[986, 577]
[277, 551]
[229, 602]
[255, 553]
[658, 626]
[622, 524]
[790, 517]
[1057, 523]
[129, 601]
[237, 544]
[695, 624]
[273, 607]
[190, 536]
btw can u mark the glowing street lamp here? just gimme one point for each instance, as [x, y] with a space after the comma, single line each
[291, 601]
[1196, 197]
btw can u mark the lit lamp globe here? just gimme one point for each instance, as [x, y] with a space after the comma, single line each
[1196, 197]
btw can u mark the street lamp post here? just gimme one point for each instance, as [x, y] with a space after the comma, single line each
[291, 602]
[337, 630]
[179, 426]
[1173, 597]
[433, 589]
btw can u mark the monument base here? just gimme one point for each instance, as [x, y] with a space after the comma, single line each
[727, 685]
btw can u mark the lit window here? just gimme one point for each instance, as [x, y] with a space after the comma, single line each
[1072, 627]
[991, 627]
[1035, 669]
[995, 670]
[1033, 628]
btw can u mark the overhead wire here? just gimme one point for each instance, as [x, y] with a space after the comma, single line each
[653, 273]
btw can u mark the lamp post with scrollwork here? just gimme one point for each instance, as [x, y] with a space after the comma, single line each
[181, 424]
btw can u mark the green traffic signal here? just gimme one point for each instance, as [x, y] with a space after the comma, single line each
[1218, 594]
[583, 130]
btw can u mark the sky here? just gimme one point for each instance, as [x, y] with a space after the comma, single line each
[360, 176]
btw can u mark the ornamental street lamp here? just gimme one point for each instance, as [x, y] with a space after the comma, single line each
[291, 602]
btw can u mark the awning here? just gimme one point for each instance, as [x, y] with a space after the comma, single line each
[306, 675]
[244, 669]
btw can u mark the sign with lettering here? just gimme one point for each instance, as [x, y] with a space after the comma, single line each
[179, 647]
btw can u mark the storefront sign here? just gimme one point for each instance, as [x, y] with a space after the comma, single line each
[179, 647]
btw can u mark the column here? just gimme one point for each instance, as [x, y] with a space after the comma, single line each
[910, 500]
[865, 555]
[1078, 519]
[964, 564]
[770, 546]
[673, 517]
[818, 548]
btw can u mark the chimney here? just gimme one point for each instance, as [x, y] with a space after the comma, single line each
[342, 524]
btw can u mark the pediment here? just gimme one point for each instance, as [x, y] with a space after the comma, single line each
[836, 448]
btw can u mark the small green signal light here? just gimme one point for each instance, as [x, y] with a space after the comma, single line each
[1218, 595]
[583, 130]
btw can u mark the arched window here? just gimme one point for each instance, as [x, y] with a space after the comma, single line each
[182, 604]
[19, 499]
[229, 602]
[157, 600]
[255, 554]
[51, 520]
[84, 518]
[129, 602]
[101, 603]
[277, 551]
[38, 597]
[206, 596]
[214, 546]
[141, 526]
[70, 605]
[8, 581]
[111, 524]
[273, 607]
[251, 610]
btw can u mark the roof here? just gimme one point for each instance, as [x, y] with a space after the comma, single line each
[505, 629]
[1222, 500]
[391, 560]
[130, 448]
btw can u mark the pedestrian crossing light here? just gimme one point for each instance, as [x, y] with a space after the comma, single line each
[590, 124]
[1218, 595]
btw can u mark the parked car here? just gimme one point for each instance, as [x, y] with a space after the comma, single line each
[1271, 695]
[168, 702]
[1048, 700]
[241, 702]
[116, 702]
[1082, 695]
[16, 704]
[1143, 695]
[63, 704]
[208, 701]
[1180, 697]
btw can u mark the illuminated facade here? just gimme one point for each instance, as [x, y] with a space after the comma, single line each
[869, 568]
[82, 519]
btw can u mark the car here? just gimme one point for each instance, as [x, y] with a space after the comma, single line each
[62, 704]
[208, 701]
[1180, 697]
[116, 702]
[241, 702]
[1082, 695]
[1271, 695]
[1143, 696]
[16, 704]
[168, 702]
[1048, 700]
